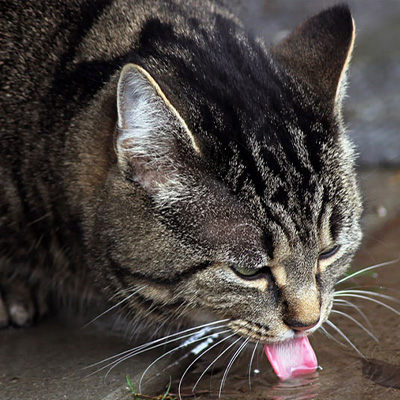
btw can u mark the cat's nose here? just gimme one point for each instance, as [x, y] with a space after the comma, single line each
[300, 326]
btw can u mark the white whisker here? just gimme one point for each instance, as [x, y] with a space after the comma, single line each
[229, 366]
[114, 306]
[382, 296]
[163, 340]
[331, 324]
[369, 299]
[215, 334]
[357, 323]
[361, 271]
[135, 353]
[213, 362]
[251, 362]
[196, 359]
[341, 302]
[329, 336]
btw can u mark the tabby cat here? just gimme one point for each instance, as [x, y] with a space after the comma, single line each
[156, 148]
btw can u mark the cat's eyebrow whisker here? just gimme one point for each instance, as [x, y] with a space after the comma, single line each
[383, 296]
[229, 366]
[114, 306]
[181, 346]
[341, 302]
[361, 271]
[251, 362]
[196, 359]
[370, 299]
[368, 332]
[164, 340]
[213, 362]
[331, 324]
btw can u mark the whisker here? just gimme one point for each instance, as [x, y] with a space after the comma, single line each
[347, 303]
[193, 337]
[175, 349]
[251, 362]
[357, 323]
[370, 299]
[331, 324]
[329, 336]
[229, 366]
[383, 296]
[196, 359]
[213, 362]
[114, 306]
[361, 271]
[180, 335]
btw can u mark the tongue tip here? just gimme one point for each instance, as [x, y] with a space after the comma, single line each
[292, 358]
[296, 372]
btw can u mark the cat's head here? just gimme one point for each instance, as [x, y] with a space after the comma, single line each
[235, 197]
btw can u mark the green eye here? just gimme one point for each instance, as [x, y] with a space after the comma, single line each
[244, 271]
[251, 273]
[329, 253]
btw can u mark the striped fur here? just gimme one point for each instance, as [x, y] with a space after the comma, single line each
[205, 159]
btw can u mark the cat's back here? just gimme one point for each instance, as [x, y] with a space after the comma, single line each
[43, 89]
[58, 55]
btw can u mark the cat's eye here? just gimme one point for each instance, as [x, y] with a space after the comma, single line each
[249, 273]
[329, 253]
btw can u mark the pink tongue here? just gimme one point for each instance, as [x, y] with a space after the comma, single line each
[292, 357]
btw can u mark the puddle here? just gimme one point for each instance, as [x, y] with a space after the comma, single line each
[261, 384]
[382, 373]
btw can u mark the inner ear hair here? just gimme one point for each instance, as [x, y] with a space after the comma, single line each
[141, 100]
[150, 136]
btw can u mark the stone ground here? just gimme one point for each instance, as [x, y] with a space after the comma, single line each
[46, 361]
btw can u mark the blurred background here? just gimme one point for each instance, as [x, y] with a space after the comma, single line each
[372, 109]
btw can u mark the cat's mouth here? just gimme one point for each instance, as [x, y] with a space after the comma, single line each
[290, 354]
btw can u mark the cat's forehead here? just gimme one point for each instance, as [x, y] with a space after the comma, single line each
[284, 165]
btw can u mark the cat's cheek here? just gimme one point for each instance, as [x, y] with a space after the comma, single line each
[253, 312]
[161, 294]
[326, 307]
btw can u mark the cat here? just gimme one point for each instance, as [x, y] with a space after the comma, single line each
[156, 154]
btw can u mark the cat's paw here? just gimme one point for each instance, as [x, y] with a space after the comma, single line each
[20, 305]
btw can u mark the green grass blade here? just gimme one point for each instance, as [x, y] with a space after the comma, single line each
[168, 389]
[131, 388]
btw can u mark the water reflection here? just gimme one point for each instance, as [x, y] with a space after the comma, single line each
[303, 388]
[382, 373]
[261, 385]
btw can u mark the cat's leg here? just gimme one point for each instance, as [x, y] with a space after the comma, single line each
[21, 303]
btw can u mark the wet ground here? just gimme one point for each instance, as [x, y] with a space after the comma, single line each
[46, 361]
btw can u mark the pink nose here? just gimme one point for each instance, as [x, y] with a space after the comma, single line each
[300, 326]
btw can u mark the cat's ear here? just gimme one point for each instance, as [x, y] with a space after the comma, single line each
[151, 135]
[319, 51]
